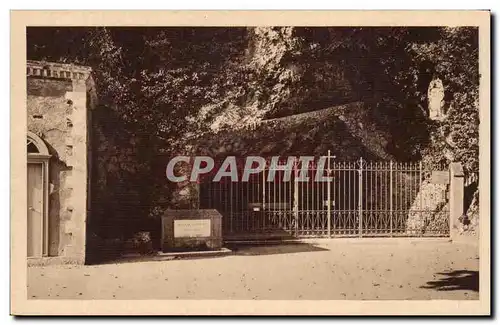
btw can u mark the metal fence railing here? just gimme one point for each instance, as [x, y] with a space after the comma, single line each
[363, 198]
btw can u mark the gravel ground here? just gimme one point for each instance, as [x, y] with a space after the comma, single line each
[336, 269]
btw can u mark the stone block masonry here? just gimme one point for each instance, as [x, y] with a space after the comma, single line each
[59, 99]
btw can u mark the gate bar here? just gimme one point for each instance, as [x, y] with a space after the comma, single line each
[296, 199]
[420, 189]
[231, 199]
[329, 198]
[360, 196]
[390, 194]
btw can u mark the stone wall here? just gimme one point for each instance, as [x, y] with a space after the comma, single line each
[58, 100]
[428, 212]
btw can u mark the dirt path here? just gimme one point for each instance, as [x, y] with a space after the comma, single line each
[338, 269]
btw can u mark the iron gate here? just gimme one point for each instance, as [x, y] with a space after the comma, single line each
[363, 199]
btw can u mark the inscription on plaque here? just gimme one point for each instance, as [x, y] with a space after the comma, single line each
[440, 177]
[192, 228]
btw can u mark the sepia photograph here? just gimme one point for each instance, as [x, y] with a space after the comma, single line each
[308, 161]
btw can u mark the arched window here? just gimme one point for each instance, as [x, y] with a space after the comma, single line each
[32, 148]
[35, 145]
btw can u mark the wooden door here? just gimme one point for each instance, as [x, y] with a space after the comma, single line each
[35, 210]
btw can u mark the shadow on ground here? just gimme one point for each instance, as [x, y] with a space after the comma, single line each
[242, 249]
[455, 280]
[272, 249]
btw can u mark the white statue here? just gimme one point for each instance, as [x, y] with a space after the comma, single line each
[435, 96]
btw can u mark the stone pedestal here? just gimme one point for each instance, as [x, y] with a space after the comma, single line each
[187, 230]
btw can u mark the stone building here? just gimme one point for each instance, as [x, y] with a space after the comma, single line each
[59, 101]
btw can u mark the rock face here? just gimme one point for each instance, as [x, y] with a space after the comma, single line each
[473, 214]
[431, 198]
[345, 129]
[435, 95]
[59, 97]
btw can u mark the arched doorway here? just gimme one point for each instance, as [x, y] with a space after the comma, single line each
[38, 180]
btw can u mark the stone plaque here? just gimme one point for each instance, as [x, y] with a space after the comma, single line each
[440, 177]
[192, 228]
[185, 230]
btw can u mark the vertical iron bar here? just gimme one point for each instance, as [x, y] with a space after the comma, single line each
[360, 196]
[345, 194]
[268, 192]
[310, 199]
[199, 195]
[420, 189]
[217, 203]
[248, 199]
[349, 193]
[334, 198]
[322, 190]
[318, 194]
[365, 192]
[239, 202]
[377, 194]
[208, 195]
[373, 213]
[369, 185]
[401, 217]
[225, 195]
[386, 200]
[390, 194]
[296, 201]
[329, 197]
[405, 192]
[279, 199]
[264, 198]
[290, 200]
[303, 216]
[231, 206]
[256, 195]
[372, 219]
[274, 197]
